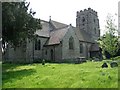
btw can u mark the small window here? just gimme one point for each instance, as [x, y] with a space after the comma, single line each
[46, 52]
[37, 44]
[71, 43]
[95, 30]
[94, 20]
[81, 48]
[29, 41]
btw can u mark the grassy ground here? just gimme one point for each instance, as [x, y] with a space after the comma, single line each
[86, 75]
[0, 74]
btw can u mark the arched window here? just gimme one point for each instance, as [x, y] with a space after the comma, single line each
[71, 43]
[37, 44]
[94, 20]
[83, 19]
[81, 48]
[95, 30]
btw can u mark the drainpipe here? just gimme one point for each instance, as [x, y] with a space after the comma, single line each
[33, 49]
[54, 53]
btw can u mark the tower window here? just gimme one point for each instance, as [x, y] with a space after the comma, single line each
[95, 30]
[94, 20]
[37, 44]
[46, 52]
[83, 19]
[71, 43]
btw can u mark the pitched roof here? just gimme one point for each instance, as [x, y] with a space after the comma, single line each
[58, 25]
[46, 26]
[58, 32]
[84, 36]
[56, 36]
[44, 32]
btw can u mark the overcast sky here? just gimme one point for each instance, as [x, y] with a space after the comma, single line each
[65, 10]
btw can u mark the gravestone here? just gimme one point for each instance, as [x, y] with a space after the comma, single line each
[104, 65]
[43, 62]
[113, 64]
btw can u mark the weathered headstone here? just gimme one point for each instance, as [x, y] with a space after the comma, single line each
[104, 65]
[43, 62]
[113, 64]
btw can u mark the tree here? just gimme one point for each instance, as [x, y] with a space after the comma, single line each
[18, 23]
[109, 41]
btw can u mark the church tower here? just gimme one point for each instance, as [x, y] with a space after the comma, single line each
[88, 21]
[119, 19]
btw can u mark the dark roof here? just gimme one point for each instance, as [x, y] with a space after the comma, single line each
[58, 30]
[44, 31]
[56, 36]
[46, 26]
[58, 25]
[83, 36]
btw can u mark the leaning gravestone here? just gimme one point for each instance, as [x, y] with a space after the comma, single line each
[113, 64]
[43, 62]
[104, 65]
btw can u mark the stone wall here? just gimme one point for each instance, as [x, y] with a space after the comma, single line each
[66, 52]
[88, 20]
[57, 53]
[17, 55]
[38, 54]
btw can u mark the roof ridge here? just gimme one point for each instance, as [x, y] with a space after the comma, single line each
[44, 21]
[62, 27]
[59, 29]
[58, 22]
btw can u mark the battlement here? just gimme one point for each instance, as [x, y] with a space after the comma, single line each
[89, 10]
[88, 21]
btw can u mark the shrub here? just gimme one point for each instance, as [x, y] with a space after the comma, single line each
[117, 58]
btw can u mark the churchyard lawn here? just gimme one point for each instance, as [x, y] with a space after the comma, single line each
[53, 75]
[0, 75]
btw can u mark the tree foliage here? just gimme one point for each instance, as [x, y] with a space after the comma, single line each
[109, 41]
[18, 23]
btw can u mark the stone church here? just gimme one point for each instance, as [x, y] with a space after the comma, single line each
[58, 42]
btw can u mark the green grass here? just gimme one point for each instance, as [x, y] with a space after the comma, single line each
[86, 75]
[0, 74]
